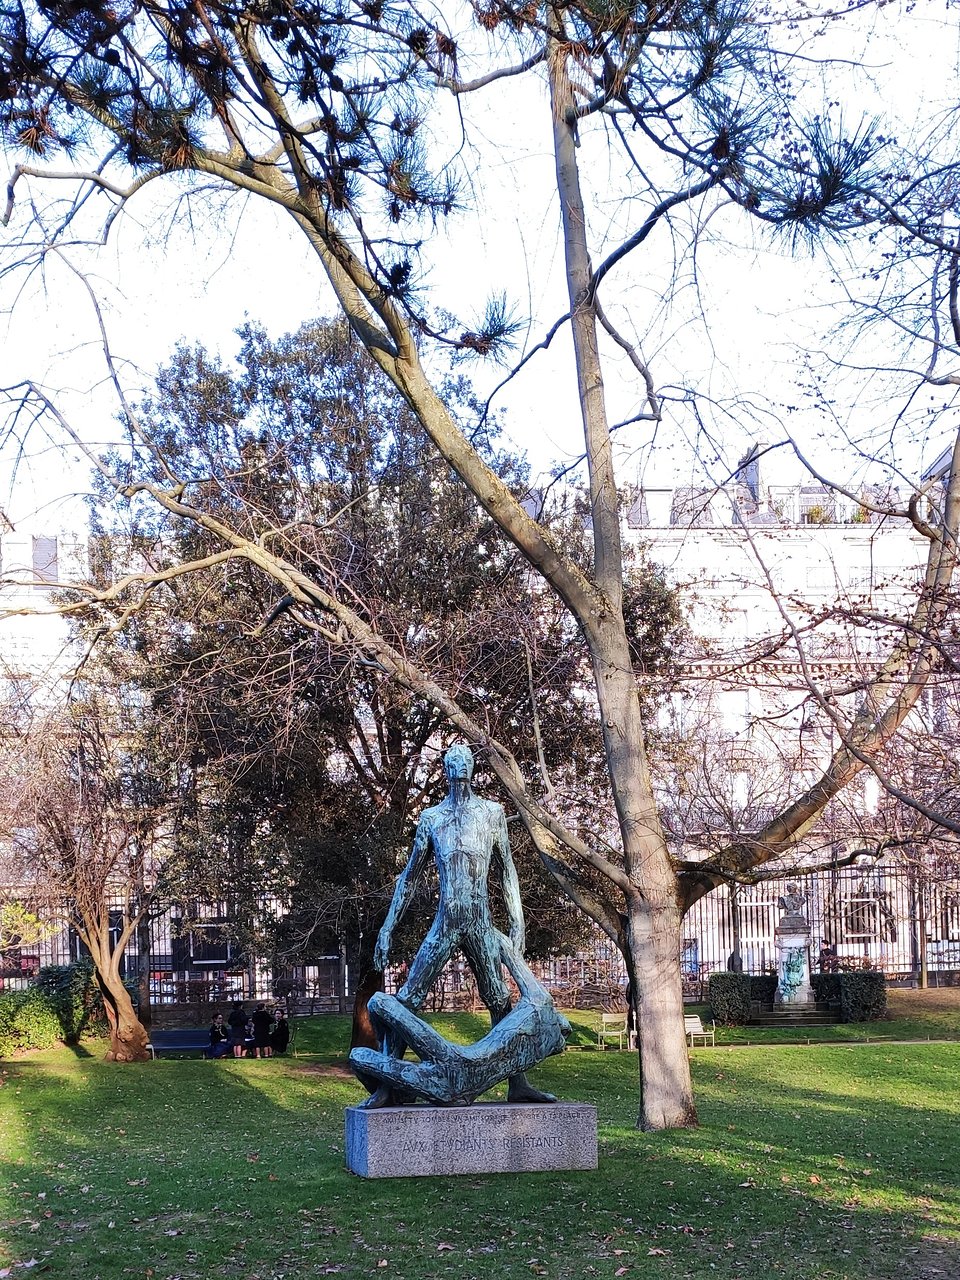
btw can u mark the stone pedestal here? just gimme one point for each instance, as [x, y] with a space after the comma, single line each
[489, 1137]
[793, 965]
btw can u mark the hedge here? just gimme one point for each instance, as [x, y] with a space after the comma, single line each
[763, 987]
[72, 993]
[729, 996]
[27, 1021]
[863, 995]
[826, 987]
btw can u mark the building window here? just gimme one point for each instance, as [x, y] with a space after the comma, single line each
[860, 918]
[45, 569]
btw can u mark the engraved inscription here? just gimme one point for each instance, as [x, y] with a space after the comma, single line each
[489, 1138]
[530, 1141]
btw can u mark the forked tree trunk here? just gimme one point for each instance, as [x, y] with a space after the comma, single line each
[128, 1038]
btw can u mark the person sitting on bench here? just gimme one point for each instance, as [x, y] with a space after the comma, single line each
[219, 1038]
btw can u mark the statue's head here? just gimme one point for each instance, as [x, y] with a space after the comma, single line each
[458, 763]
[793, 888]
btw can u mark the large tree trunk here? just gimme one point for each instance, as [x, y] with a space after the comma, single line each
[128, 1038]
[652, 904]
[144, 965]
[653, 929]
[653, 925]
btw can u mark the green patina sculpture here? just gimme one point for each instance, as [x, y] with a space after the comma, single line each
[464, 833]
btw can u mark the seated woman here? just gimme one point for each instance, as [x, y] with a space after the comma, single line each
[280, 1032]
[220, 1044]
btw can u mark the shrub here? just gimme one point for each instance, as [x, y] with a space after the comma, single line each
[826, 987]
[27, 1021]
[729, 996]
[72, 993]
[763, 987]
[863, 996]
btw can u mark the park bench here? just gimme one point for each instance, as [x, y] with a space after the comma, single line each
[697, 1031]
[179, 1041]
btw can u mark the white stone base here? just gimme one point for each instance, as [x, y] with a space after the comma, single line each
[787, 941]
[489, 1137]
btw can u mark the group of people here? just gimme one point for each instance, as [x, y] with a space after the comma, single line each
[260, 1034]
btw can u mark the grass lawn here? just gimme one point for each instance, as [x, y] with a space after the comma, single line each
[832, 1162]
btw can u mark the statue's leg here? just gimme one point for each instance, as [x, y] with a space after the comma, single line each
[426, 967]
[483, 952]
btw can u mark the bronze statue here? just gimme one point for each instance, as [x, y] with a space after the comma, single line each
[464, 833]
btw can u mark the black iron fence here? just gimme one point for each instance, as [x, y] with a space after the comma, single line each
[888, 917]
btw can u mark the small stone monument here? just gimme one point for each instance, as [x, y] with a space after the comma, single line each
[793, 950]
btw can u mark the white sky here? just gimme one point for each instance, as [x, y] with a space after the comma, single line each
[157, 286]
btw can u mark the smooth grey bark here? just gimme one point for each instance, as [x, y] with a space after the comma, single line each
[653, 928]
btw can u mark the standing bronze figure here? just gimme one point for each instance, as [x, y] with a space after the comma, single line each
[464, 834]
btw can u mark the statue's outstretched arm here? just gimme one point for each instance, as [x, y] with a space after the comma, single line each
[402, 893]
[511, 884]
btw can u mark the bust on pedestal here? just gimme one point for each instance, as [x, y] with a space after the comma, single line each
[793, 950]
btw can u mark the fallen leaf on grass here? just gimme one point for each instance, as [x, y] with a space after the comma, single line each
[443, 1247]
[621, 1271]
[815, 1178]
[657, 1253]
[382, 1262]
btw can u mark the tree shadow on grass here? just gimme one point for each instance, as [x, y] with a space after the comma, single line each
[78, 1050]
[195, 1168]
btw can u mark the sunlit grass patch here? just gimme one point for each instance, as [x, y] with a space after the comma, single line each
[822, 1163]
